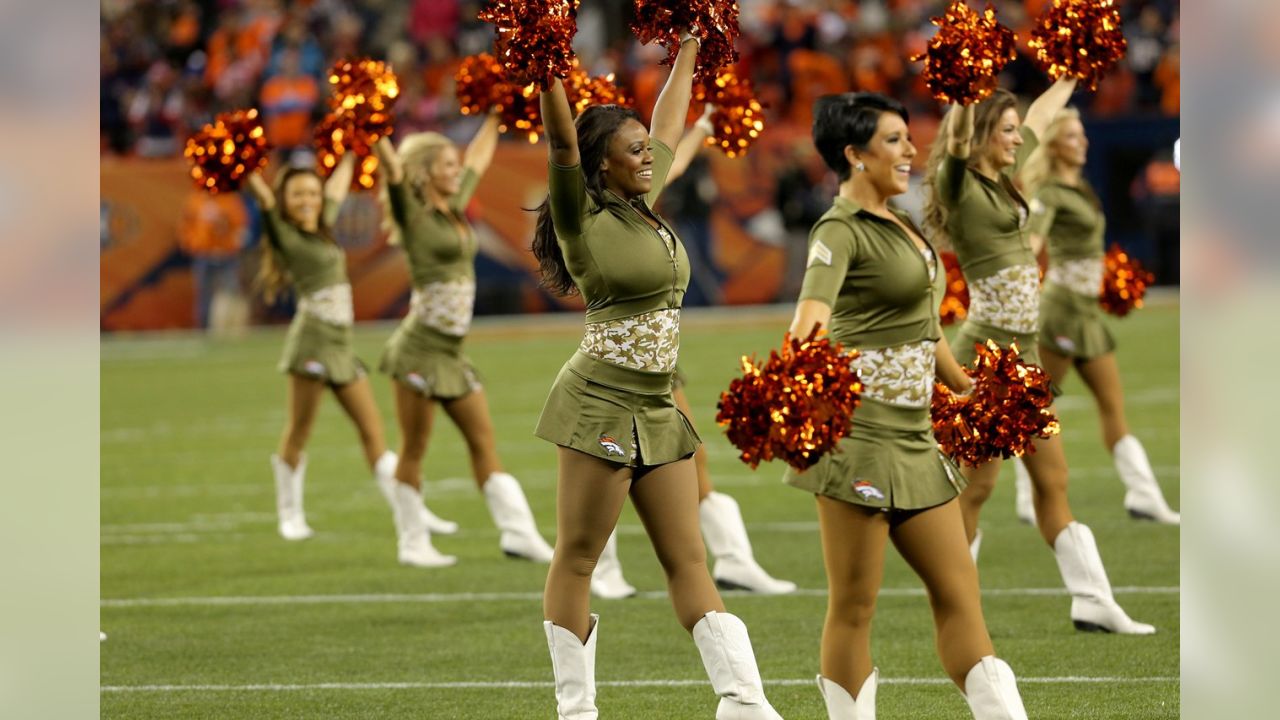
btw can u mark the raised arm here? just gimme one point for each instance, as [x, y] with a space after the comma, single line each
[557, 120]
[1050, 102]
[480, 152]
[339, 183]
[672, 107]
[389, 164]
[959, 122]
[261, 191]
[691, 144]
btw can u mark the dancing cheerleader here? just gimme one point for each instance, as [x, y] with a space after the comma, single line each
[876, 282]
[972, 202]
[610, 410]
[300, 251]
[723, 529]
[428, 187]
[1067, 213]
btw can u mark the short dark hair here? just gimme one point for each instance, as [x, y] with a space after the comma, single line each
[849, 119]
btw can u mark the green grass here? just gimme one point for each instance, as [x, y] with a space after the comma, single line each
[187, 512]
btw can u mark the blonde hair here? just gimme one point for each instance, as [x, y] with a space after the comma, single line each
[986, 116]
[1040, 165]
[272, 279]
[417, 152]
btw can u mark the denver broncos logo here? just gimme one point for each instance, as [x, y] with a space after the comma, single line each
[867, 490]
[610, 445]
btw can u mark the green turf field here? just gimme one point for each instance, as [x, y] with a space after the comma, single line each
[211, 615]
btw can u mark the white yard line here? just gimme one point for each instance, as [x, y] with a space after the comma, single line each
[359, 599]
[541, 685]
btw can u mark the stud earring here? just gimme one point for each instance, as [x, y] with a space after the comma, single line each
[860, 167]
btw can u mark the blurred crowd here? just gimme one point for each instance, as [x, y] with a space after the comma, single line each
[167, 66]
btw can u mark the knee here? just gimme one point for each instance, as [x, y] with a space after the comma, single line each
[413, 447]
[979, 489]
[576, 556]
[851, 611]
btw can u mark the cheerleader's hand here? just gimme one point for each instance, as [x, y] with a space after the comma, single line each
[704, 123]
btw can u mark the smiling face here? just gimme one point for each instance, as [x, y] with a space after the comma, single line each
[887, 157]
[1004, 141]
[445, 172]
[303, 196]
[628, 164]
[1070, 146]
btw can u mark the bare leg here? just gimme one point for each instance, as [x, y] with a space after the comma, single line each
[1102, 375]
[1057, 365]
[666, 499]
[982, 482]
[415, 413]
[356, 398]
[705, 487]
[303, 404]
[471, 414]
[1048, 469]
[932, 543]
[589, 497]
[853, 544]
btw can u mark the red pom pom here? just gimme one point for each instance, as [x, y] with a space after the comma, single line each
[1079, 38]
[583, 90]
[713, 22]
[955, 302]
[364, 93]
[1124, 282]
[520, 111]
[796, 406]
[223, 153]
[479, 84]
[535, 38]
[335, 136]
[739, 117]
[966, 54]
[1007, 409]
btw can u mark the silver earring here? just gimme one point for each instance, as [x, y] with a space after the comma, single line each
[860, 167]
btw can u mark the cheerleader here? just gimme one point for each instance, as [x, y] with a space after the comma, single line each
[428, 185]
[301, 251]
[610, 411]
[1067, 214]
[876, 282]
[723, 529]
[972, 202]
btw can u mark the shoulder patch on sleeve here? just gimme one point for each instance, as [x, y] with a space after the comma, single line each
[819, 253]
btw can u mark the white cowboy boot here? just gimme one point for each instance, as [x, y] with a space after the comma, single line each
[607, 581]
[384, 472]
[842, 706]
[413, 540]
[574, 665]
[1093, 608]
[976, 545]
[735, 564]
[1023, 503]
[725, 647]
[293, 520]
[1143, 499]
[992, 691]
[510, 510]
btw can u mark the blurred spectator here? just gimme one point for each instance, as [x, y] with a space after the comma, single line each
[155, 113]
[213, 232]
[288, 101]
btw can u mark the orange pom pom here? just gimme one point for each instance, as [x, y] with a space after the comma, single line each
[1006, 410]
[222, 154]
[336, 136]
[713, 22]
[364, 93]
[1124, 282]
[955, 302]
[1079, 38]
[584, 90]
[966, 54]
[479, 83]
[796, 406]
[738, 118]
[535, 38]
